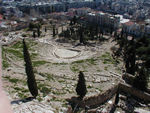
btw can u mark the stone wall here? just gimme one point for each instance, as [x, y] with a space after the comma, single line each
[128, 78]
[94, 101]
[97, 100]
[101, 98]
[134, 92]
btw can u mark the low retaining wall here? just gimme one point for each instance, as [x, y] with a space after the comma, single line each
[130, 79]
[96, 100]
[101, 98]
[134, 92]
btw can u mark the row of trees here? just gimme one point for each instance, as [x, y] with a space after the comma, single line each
[136, 56]
[77, 30]
[35, 28]
[84, 31]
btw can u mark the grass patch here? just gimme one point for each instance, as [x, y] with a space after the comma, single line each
[75, 68]
[48, 76]
[30, 43]
[98, 70]
[78, 62]
[107, 58]
[17, 45]
[26, 29]
[33, 55]
[89, 86]
[61, 81]
[58, 92]
[24, 82]
[44, 89]
[16, 53]
[106, 68]
[15, 80]
[5, 63]
[79, 67]
[90, 61]
[21, 95]
[22, 89]
[82, 65]
[12, 80]
[38, 63]
[60, 63]
[39, 99]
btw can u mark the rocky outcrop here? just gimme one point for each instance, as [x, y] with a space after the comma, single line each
[31, 107]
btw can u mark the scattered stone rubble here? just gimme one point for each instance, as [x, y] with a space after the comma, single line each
[31, 107]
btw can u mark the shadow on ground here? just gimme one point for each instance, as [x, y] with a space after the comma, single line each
[22, 100]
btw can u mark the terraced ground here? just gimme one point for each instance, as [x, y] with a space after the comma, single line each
[57, 76]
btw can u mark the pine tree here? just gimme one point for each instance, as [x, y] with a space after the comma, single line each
[81, 86]
[32, 85]
[141, 80]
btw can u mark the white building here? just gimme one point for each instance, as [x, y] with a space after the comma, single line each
[135, 29]
[103, 19]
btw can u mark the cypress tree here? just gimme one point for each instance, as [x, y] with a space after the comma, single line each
[81, 86]
[54, 33]
[130, 57]
[34, 34]
[32, 85]
[117, 98]
[74, 20]
[62, 29]
[141, 80]
[45, 29]
[81, 35]
[38, 31]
